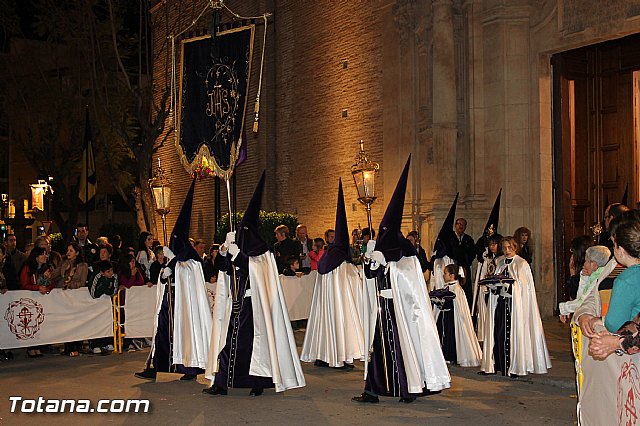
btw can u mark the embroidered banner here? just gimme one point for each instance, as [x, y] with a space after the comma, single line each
[29, 318]
[214, 89]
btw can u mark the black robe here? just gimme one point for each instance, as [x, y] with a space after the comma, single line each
[386, 336]
[502, 332]
[235, 358]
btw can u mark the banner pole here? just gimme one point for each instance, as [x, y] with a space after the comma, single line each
[86, 182]
[231, 228]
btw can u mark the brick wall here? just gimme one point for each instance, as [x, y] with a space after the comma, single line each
[323, 60]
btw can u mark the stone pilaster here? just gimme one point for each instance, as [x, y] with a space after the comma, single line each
[444, 97]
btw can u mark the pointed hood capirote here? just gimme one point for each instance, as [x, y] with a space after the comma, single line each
[390, 240]
[625, 197]
[490, 229]
[338, 251]
[179, 243]
[247, 235]
[494, 218]
[446, 236]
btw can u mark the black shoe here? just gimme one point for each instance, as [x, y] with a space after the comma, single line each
[484, 373]
[345, 366]
[146, 374]
[320, 363]
[188, 377]
[365, 397]
[256, 391]
[513, 376]
[215, 390]
[407, 400]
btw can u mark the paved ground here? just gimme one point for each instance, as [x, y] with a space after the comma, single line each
[472, 399]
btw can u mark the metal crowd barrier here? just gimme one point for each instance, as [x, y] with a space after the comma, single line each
[576, 340]
[118, 331]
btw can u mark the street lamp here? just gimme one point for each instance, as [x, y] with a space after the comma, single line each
[364, 176]
[5, 205]
[38, 193]
[161, 189]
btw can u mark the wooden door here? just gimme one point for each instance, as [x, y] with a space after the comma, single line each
[615, 145]
[595, 148]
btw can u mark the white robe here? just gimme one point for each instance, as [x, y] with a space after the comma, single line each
[424, 362]
[468, 352]
[529, 353]
[334, 330]
[274, 349]
[191, 316]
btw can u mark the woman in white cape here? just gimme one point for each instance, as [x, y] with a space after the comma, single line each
[517, 345]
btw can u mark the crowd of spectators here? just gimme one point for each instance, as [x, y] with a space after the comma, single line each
[104, 267]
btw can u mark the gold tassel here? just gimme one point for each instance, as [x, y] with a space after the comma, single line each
[256, 119]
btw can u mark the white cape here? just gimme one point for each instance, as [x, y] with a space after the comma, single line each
[480, 292]
[191, 317]
[529, 353]
[468, 352]
[488, 363]
[437, 277]
[424, 363]
[334, 331]
[274, 349]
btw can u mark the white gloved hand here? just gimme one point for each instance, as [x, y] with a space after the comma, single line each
[233, 250]
[168, 253]
[231, 238]
[166, 272]
[371, 246]
[377, 256]
[377, 259]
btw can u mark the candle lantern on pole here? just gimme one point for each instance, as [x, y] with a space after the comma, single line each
[160, 186]
[364, 174]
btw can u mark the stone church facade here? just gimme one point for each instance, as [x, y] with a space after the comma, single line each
[465, 86]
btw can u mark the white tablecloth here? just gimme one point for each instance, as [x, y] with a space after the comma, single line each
[298, 293]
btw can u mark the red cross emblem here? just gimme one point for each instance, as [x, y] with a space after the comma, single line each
[24, 318]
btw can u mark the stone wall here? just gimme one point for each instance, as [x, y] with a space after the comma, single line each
[464, 86]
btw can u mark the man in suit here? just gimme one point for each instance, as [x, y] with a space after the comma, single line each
[306, 245]
[90, 250]
[463, 253]
[15, 256]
